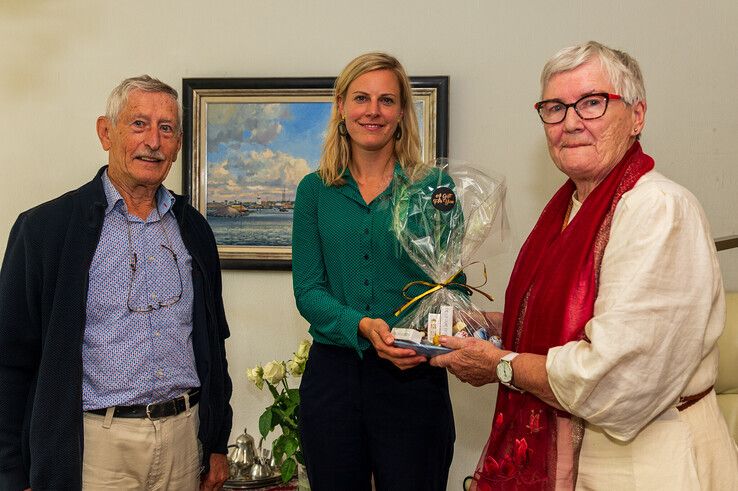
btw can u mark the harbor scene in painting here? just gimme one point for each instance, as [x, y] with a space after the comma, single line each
[257, 153]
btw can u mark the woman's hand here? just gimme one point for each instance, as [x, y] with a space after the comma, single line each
[473, 360]
[378, 333]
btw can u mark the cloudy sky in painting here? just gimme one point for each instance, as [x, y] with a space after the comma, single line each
[259, 150]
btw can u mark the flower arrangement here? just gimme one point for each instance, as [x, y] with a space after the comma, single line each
[283, 412]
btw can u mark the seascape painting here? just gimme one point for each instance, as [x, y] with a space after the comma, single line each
[257, 153]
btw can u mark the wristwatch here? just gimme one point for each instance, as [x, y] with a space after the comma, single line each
[505, 370]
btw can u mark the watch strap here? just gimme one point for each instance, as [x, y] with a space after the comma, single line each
[510, 356]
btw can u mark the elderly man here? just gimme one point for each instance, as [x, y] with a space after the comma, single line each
[113, 372]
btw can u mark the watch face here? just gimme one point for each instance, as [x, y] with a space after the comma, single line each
[504, 371]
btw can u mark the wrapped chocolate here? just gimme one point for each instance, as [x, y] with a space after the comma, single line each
[441, 216]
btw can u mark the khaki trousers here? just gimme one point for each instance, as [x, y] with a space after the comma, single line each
[140, 453]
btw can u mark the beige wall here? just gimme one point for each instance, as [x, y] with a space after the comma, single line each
[59, 60]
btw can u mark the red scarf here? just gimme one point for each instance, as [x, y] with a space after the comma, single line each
[549, 300]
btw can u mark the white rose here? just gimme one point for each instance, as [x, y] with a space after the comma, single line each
[255, 375]
[274, 372]
[295, 367]
[303, 349]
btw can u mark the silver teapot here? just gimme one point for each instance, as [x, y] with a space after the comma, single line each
[262, 468]
[242, 456]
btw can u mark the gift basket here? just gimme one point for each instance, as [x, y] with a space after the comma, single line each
[442, 214]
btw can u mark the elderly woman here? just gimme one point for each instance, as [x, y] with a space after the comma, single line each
[367, 409]
[612, 312]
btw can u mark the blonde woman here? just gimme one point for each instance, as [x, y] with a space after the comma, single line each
[367, 409]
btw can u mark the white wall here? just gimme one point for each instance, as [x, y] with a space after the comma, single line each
[59, 60]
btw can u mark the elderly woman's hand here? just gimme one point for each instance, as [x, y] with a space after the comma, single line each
[473, 360]
[378, 333]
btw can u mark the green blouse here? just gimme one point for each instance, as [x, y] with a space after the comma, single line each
[346, 262]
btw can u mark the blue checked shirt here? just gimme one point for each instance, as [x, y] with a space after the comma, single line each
[132, 358]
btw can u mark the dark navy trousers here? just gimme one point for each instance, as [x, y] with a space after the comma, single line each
[365, 417]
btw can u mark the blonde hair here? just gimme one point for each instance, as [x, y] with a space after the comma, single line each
[336, 154]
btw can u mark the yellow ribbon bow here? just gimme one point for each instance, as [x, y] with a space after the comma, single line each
[433, 287]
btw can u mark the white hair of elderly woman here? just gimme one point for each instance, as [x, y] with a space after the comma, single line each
[622, 69]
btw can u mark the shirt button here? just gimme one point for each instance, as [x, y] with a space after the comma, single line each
[366, 282]
[366, 231]
[153, 296]
[157, 333]
[152, 259]
[368, 307]
[160, 373]
[369, 210]
[366, 256]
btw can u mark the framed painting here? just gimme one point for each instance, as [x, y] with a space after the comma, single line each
[249, 141]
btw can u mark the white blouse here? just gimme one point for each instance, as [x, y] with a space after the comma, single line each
[658, 314]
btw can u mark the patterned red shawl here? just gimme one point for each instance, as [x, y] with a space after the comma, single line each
[549, 300]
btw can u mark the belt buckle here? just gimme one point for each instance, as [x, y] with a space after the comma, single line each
[148, 410]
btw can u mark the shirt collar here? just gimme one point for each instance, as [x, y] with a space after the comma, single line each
[164, 198]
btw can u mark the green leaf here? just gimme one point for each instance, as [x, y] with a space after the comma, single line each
[289, 413]
[294, 395]
[277, 417]
[278, 448]
[287, 469]
[284, 419]
[265, 422]
[290, 446]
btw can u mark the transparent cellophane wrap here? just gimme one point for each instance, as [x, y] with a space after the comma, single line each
[443, 242]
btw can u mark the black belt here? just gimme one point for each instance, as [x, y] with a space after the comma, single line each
[153, 410]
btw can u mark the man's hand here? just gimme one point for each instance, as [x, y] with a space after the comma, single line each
[473, 360]
[378, 333]
[214, 479]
